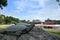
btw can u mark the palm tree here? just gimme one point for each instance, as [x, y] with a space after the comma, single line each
[3, 3]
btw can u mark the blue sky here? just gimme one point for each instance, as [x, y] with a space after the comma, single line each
[33, 9]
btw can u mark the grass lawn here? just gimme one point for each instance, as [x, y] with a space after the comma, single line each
[57, 33]
[53, 31]
[3, 27]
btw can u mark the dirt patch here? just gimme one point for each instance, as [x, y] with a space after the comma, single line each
[4, 26]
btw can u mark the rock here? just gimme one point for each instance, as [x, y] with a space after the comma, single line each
[37, 34]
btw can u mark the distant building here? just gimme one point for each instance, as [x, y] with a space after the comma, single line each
[49, 23]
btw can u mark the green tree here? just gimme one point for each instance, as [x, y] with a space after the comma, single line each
[2, 18]
[23, 20]
[28, 21]
[56, 21]
[10, 19]
[48, 20]
[3, 3]
[37, 20]
[58, 2]
[7, 20]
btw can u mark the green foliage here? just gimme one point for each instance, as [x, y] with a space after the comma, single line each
[48, 20]
[55, 21]
[2, 19]
[23, 20]
[57, 33]
[36, 20]
[2, 28]
[11, 19]
[3, 3]
[57, 0]
[8, 19]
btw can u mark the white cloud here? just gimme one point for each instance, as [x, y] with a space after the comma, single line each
[36, 9]
[20, 4]
[49, 8]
